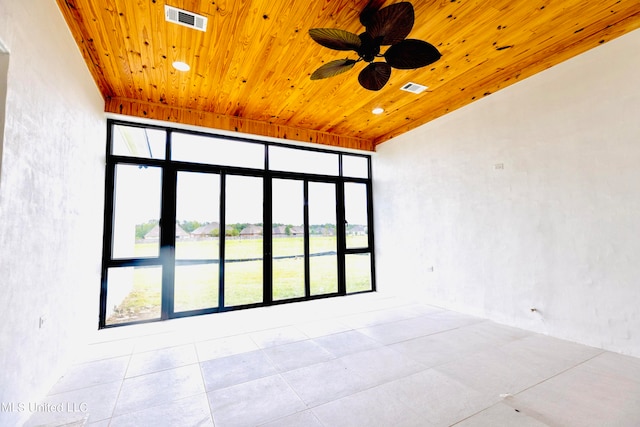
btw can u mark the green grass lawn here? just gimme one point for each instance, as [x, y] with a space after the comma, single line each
[196, 286]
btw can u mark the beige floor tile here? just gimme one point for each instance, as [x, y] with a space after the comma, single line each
[438, 348]
[190, 411]
[278, 336]
[381, 365]
[159, 388]
[92, 373]
[300, 419]
[228, 371]
[372, 407]
[159, 360]
[320, 328]
[518, 365]
[325, 382]
[500, 415]
[438, 398]
[297, 355]
[346, 343]
[254, 402]
[223, 347]
[405, 364]
[90, 404]
[588, 395]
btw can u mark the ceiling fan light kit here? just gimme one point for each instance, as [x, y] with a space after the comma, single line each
[388, 26]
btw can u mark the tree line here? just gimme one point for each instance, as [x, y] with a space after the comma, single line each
[232, 229]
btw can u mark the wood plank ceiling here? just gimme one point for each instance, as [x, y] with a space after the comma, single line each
[250, 69]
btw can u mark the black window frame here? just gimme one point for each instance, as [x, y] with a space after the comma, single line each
[166, 257]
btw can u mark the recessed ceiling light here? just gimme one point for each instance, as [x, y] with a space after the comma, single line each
[181, 66]
[377, 110]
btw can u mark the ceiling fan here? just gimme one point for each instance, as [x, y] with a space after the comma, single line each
[388, 26]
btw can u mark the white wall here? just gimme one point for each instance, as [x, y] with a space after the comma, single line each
[4, 70]
[528, 198]
[51, 202]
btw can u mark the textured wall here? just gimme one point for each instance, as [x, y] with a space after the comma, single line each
[51, 199]
[4, 71]
[528, 198]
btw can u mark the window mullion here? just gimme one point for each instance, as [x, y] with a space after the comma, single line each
[341, 236]
[222, 234]
[307, 262]
[168, 239]
[267, 243]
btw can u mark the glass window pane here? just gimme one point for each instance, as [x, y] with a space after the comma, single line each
[197, 216]
[323, 262]
[136, 217]
[243, 243]
[355, 166]
[358, 272]
[138, 142]
[304, 161]
[288, 239]
[196, 286]
[133, 293]
[355, 207]
[216, 151]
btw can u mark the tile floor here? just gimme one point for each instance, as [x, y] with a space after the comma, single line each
[364, 360]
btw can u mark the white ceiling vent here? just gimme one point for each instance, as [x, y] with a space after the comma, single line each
[182, 17]
[413, 88]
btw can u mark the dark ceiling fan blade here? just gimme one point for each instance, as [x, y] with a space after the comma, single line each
[333, 68]
[411, 53]
[375, 75]
[366, 16]
[334, 38]
[392, 24]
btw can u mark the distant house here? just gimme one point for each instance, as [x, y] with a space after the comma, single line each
[154, 233]
[297, 231]
[211, 229]
[180, 233]
[251, 231]
[328, 231]
[357, 230]
[323, 230]
[279, 231]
